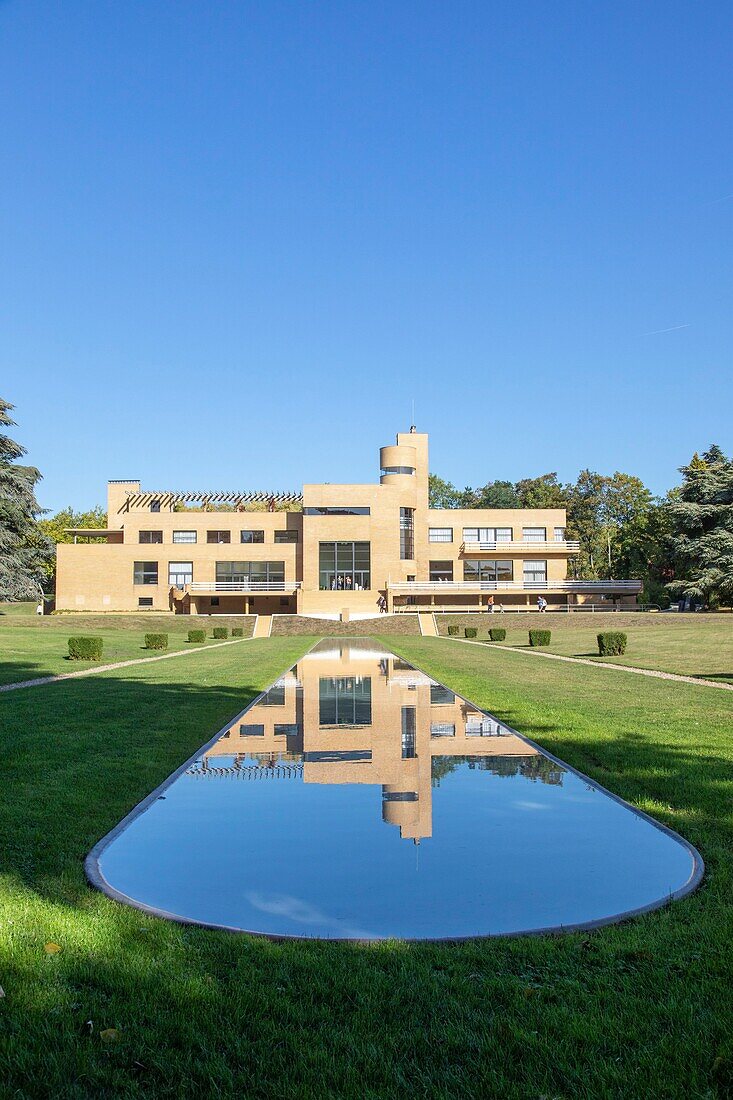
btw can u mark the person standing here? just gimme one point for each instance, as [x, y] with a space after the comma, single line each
[490, 603]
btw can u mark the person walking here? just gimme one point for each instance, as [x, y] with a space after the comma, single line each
[490, 603]
[541, 603]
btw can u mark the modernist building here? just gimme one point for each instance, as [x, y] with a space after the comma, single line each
[334, 555]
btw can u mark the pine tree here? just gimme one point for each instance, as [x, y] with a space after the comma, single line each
[702, 523]
[23, 547]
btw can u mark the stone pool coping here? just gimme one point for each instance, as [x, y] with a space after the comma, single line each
[96, 877]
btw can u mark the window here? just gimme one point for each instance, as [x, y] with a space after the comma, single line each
[291, 535]
[333, 510]
[145, 601]
[345, 700]
[407, 534]
[218, 536]
[214, 601]
[559, 534]
[251, 729]
[534, 534]
[488, 534]
[440, 534]
[261, 573]
[252, 536]
[150, 536]
[275, 697]
[286, 729]
[184, 536]
[535, 572]
[440, 696]
[145, 572]
[154, 505]
[397, 470]
[441, 570]
[487, 572]
[442, 729]
[480, 727]
[180, 573]
[344, 566]
[409, 727]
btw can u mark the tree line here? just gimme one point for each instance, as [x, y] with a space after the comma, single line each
[680, 544]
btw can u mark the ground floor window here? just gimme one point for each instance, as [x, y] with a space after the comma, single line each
[145, 601]
[479, 571]
[535, 572]
[180, 573]
[345, 700]
[344, 566]
[145, 572]
[441, 570]
[249, 572]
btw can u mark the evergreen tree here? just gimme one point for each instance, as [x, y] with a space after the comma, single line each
[24, 549]
[702, 523]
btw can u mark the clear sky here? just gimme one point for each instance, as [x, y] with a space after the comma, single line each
[239, 238]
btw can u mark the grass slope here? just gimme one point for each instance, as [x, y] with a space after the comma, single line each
[637, 1010]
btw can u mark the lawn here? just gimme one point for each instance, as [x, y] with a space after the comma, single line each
[636, 1010]
[32, 646]
[690, 645]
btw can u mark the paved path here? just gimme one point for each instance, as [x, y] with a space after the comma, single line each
[426, 621]
[118, 664]
[599, 664]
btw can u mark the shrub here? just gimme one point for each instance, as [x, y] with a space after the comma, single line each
[237, 632]
[611, 643]
[156, 641]
[497, 633]
[539, 637]
[197, 635]
[86, 649]
[453, 631]
[220, 632]
[470, 631]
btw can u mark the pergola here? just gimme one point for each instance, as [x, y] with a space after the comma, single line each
[209, 500]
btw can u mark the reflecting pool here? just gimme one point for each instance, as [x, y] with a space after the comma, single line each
[360, 799]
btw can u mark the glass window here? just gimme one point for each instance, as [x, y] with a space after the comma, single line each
[344, 566]
[441, 570]
[534, 534]
[440, 534]
[407, 534]
[487, 572]
[218, 536]
[260, 573]
[145, 572]
[535, 572]
[398, 470]
[333, 510]
[409, 728]
[150, 536]
[559, 534]
[184, 536]
[252, 536]
[345, 700]
[154, 505]
[291, 535]
[180, 573]
[251, 729]
[440, 696]
[145, 601]
[488, 534]
[275, 697]
[442, 729]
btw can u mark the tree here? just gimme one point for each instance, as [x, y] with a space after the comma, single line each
[442, 494]
[585, 520]
[24, 549]
[544, 491]
[55, 529]
[496, 494]
[702, 523]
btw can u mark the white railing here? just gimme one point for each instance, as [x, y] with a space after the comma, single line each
[557, 546]
[242, 586]
[447, 587]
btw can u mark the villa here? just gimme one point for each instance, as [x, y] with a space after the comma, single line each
[331, 551]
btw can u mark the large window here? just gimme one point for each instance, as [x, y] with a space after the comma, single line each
[441, 570]
[344, 566]
[534, 534]
[345, 700]
[480, 572]
[535, 572]
[409, 730]
[487, 534]
[145, 572]
[440, 534]
[184, 536]
[336, 510]
[407, 534]
[218, 536]
[150, 536]
[559, 534]
[180, 573]
[250, 572]
[291, 535]
[252, 536]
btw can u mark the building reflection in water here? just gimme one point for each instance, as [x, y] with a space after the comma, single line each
[347, 713]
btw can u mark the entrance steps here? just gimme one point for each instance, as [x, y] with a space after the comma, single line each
[263, 626]
[428, 629]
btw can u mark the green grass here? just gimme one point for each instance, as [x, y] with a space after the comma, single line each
[636, 1010]
[690, 645]
[32, 646]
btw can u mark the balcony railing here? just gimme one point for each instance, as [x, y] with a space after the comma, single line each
[242, 586]
[547, 546]
[458, 587]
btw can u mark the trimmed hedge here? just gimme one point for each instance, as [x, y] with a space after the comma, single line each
[453, 631]
[86, 649]
[237, 632]
[497, 633]
[197, 635]
[539, 637]
[471, 631]
[611, 643]
[156, 641]
[220, 632]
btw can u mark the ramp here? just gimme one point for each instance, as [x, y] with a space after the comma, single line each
[263, 626]
[428, 629]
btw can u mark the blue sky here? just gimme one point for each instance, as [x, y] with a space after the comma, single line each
[238, 239]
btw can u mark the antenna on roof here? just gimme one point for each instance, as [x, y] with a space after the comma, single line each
[412, 420]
